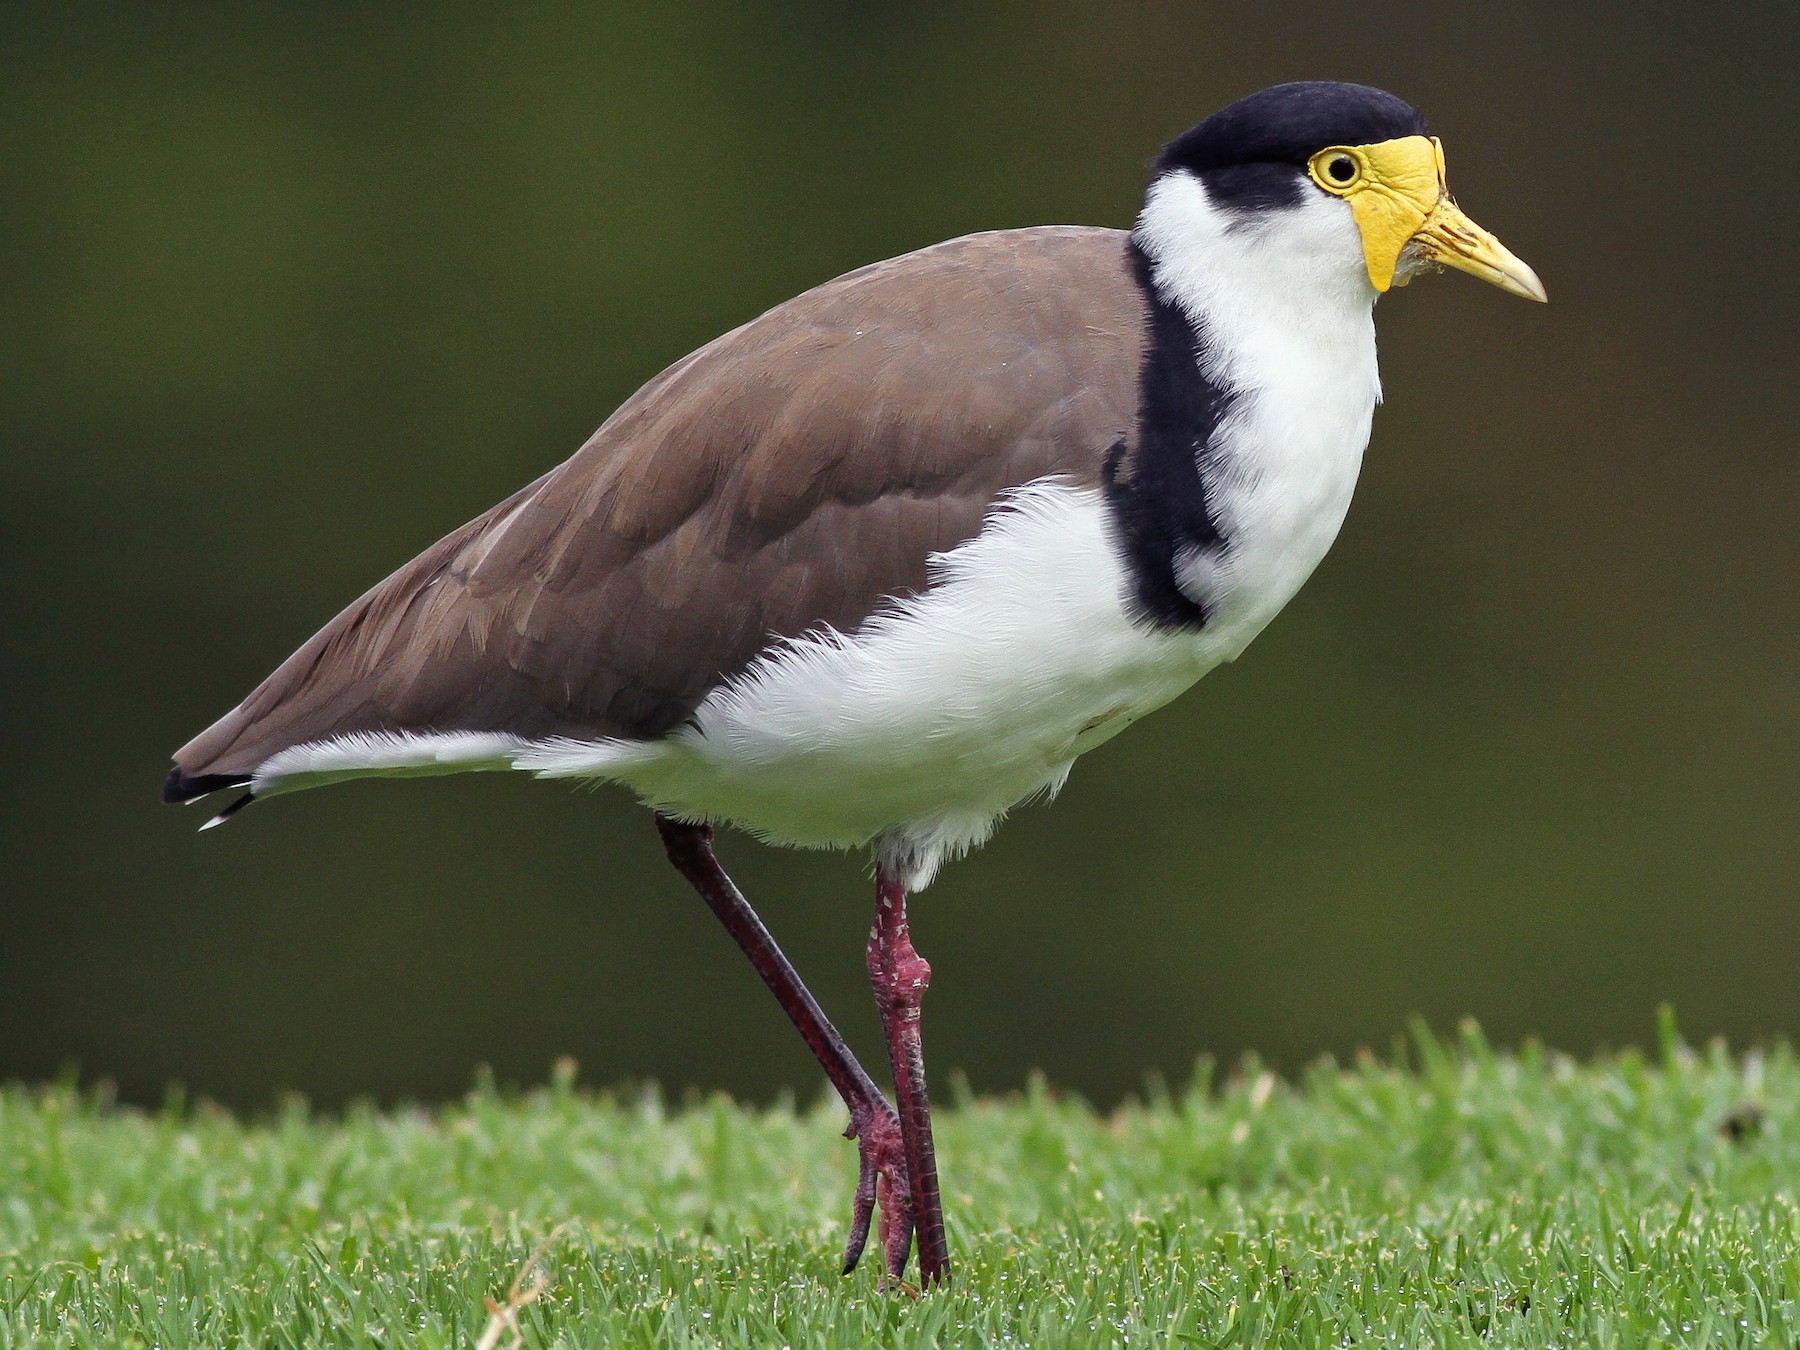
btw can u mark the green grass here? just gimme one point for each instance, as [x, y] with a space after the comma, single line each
[1462, 1197]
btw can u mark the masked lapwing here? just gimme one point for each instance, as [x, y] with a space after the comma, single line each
[880, 564]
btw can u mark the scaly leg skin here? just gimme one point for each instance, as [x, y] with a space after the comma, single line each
[899, 976]
[881, 1154]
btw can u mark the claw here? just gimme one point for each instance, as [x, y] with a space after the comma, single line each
[881, 1181]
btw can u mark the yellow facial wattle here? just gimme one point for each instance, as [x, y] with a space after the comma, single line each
[1397, 193]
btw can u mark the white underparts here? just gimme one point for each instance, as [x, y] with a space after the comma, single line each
[915, 734]
[918, 731]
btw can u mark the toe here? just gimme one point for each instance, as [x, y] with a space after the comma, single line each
[862, 1210]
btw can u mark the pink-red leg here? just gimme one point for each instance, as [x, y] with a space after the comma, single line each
[882, 1159]
[899, 976]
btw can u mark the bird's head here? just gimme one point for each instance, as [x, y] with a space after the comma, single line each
[1318, 150]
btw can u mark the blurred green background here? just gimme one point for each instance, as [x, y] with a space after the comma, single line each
[286, 294]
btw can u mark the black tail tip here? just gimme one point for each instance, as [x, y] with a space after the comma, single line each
[184, 787]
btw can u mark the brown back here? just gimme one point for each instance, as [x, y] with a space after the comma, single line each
[791, 474]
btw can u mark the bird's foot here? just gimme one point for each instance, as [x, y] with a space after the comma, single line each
[881, 1182]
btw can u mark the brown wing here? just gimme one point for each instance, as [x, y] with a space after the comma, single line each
[792, 473]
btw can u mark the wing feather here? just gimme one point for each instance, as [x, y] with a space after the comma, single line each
[794, 473]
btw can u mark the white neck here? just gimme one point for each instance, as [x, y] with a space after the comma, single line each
[1254, 278]
[1284, 314]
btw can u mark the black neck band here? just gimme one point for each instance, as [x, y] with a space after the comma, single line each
[1157, 478]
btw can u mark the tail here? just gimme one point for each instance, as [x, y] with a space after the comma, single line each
[334, 690]
[181, 786]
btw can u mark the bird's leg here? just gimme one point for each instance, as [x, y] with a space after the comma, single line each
[899, 976]
[881, 1169]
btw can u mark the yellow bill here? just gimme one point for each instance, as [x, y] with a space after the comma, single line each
[1397, 192]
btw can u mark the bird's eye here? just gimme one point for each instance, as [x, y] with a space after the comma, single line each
[1336, 170]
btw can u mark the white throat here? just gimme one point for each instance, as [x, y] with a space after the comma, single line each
[1284, 315]
[1247, 273]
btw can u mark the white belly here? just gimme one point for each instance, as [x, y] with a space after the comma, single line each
[922, 728]
[956, 704]
[918, 731]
